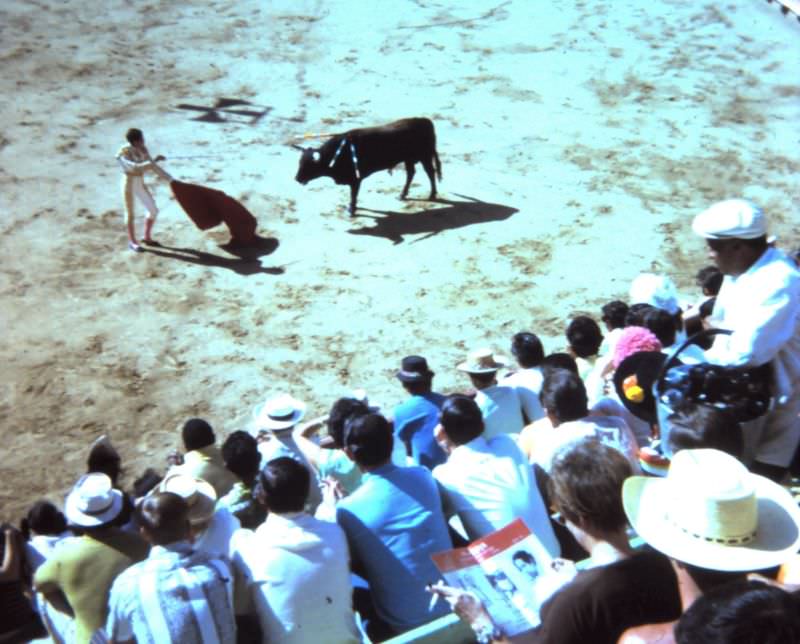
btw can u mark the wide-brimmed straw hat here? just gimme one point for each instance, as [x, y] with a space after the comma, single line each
[482, 361]
[93, 501]
[711, 512]
[198, 494]
[279, 412]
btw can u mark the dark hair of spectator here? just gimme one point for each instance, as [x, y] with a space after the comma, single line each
[164, 516]
[707, 307]
[483, 379]
[527, 348]
[614, 314]
[635, 314]
[695, 425]
[709, 279]
[146, 482]
[44, 518]
[368, 439]
[584, 336]
[241, 455]
[661, 323]
[586, 485]
[563, 395]
[196, 434]
[743, 613]
[284, 485]
[134, 135]
[105, 459]
[461, 419]
[342, 410]
[559, 360]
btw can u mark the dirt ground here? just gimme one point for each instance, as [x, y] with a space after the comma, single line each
[577, 141]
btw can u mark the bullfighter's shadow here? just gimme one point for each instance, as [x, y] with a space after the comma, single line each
[246, 261]
[454, 214]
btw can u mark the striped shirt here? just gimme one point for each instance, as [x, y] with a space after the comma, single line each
[175, 595]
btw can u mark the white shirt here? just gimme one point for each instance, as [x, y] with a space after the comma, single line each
[501, 410]
[282, 443]
[488, 483]
[762, 308]
[610, 430]
[295, 573]
[216, 540]
[528, 383]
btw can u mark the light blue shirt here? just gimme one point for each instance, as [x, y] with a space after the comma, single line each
[393, 523]
[414, 422]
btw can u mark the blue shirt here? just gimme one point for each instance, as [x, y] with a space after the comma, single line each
[414, 422]
[393, 523]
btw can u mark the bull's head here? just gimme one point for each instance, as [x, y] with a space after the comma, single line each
[311, 166]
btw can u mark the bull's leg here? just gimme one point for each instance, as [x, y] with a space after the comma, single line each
[354, 196]
[428, 165]
[409, 177]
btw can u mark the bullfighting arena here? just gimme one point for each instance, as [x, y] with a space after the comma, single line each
[577, 140]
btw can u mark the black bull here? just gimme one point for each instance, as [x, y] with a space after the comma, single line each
[351, 157]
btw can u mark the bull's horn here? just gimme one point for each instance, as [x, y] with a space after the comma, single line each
[297, 147]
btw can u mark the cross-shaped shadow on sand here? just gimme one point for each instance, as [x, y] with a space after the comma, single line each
[246, 262]
[454, 214]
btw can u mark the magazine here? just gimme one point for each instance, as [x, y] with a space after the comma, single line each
[509, 570]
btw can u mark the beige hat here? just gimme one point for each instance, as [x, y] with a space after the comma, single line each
[278, 412]
[711, 512]
[199, 495]
[482, 361]
[731, 219]
[93, 501]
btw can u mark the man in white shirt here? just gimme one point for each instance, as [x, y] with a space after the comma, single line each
[529, 353]
[135, 160]
[759, 301]
[487, 482]
[293, 572]
[499, 404]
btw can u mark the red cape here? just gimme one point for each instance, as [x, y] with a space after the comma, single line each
[208, 207]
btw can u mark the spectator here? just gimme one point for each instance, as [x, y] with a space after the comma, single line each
[81, 571]
[241, 456]
[44, 528]
[584, 338]
[393, 523]
[709, 280]
[273, 425]
[695, 426]
[565, 403]
[499, 404]
[620, 588]
[487, 483]
[18, 621]
[559, 360]
[662, 324]
[613, 317]
[744, 613]
[210, 527]
[760, 302]
[658, 291]
[104, 458]
[203, 459]
[328, 457]
[527, 380]
[635, 314]
[148, 602]
[295, 569]
[415, 418]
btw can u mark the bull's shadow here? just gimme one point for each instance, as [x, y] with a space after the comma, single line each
[453, 214]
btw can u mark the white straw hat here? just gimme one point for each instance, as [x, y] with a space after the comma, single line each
[482, 361]
[93, 501]
[731, 219]
[711, 512]
[279, 412]
[198, 494]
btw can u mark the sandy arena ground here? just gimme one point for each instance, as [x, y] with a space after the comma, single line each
[577, 141]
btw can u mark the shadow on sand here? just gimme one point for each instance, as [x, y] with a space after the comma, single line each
[246, 262]
[453, 214]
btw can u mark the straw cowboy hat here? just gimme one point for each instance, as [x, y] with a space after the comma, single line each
[93, 501]
[198, 494]
[482, 361]
[279, 412]
[711, 512]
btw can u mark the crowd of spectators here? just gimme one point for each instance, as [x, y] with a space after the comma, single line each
[321, 530]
